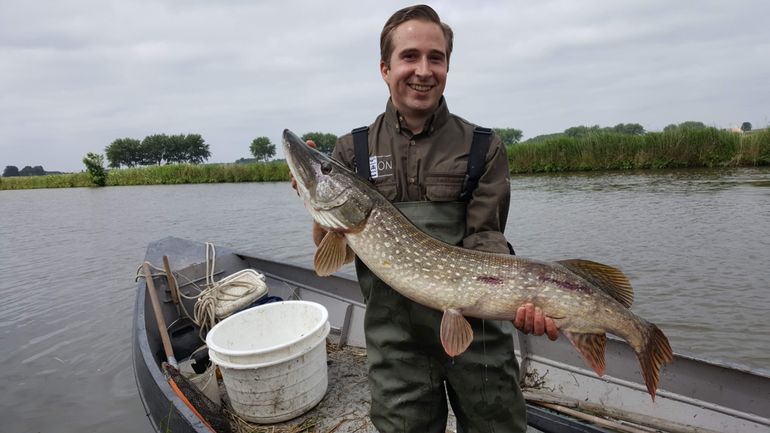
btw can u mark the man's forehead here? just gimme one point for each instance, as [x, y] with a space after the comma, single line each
[414, 34]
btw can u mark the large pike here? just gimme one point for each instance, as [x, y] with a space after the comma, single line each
[584, 298]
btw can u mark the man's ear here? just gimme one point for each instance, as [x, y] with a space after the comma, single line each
[384, 70]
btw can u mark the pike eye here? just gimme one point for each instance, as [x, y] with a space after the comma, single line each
[326, 167]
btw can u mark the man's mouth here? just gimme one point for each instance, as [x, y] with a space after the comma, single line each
[420, 87]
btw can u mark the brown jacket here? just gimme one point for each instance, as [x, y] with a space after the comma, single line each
[431, 166]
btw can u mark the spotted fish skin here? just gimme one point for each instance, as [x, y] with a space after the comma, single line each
[585, 299]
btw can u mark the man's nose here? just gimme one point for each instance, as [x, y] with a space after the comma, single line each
[423, 66]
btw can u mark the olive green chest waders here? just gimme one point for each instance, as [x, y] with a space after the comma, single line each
[410, 375]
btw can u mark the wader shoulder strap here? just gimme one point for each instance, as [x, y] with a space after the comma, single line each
[361, 148]
[476, 159]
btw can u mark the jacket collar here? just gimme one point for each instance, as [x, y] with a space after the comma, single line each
[434, 122]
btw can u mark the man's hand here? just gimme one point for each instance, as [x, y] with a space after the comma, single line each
[531, 320]
[310, 143]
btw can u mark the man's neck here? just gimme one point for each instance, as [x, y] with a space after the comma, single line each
[415, 124]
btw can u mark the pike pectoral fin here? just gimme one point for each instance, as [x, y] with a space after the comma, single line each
[591, 348]
[331, 254]
[456, 333]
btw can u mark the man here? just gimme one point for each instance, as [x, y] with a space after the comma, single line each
[418, 156]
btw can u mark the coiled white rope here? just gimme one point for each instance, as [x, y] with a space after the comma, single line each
[226, 296]
[218, 299]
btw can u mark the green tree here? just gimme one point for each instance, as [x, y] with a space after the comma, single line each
[175, 149]
[10, 171]
[746, 126]
[324, 142]
[509, 135]
[153, 149]
[581, 131]
[123, 151]
[32, 171]
[692, 125]
[689, 125]
[95, 168]
[196, 149]
[262, 148]
[628, 129]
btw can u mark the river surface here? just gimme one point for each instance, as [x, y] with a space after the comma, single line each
[695, 245]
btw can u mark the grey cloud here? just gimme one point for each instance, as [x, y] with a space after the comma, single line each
[78, 74]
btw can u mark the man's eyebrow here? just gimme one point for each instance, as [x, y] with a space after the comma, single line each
[415, 50]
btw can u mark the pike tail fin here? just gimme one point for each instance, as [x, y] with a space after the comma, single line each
[654, 353]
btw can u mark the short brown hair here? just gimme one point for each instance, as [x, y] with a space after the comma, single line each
[417, 12]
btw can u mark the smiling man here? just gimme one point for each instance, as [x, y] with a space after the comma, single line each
[418, 154]
[415, 61]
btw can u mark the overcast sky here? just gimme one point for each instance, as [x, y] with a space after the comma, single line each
[76, 75]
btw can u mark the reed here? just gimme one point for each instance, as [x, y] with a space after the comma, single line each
[680, 148]
[73, 180]
[160, 175]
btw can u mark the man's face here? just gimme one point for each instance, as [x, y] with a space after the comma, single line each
[417, 72]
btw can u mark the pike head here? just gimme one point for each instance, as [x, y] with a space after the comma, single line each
[335, 197]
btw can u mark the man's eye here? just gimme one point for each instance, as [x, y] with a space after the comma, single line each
[326, 168]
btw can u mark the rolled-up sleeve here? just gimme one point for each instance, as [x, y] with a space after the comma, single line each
[487, 211]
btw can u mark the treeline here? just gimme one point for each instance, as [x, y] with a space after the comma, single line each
[583, 131]
[619, 147]
[680, 146]
[157, 149]
[626, 129]
[38, 170]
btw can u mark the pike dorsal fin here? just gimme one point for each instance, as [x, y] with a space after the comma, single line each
[456, 333]
[610, 280]
[332, 253]
[591, 348]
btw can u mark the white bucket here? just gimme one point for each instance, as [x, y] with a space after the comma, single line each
[273, 359]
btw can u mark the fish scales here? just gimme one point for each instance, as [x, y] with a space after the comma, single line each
[480, 284]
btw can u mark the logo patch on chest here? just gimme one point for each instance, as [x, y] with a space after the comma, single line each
[381, 166]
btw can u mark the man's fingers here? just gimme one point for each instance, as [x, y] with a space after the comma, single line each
[518, 321]
[551, 329]
[529, 319]
[311, 143]
[539, 322]
[532, 320]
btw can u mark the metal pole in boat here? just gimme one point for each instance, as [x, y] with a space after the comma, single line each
[159, 316]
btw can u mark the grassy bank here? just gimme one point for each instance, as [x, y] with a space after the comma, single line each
[708, 147]
[676, 149]
[159, 175]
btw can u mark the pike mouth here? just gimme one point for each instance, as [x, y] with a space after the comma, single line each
[420, 87]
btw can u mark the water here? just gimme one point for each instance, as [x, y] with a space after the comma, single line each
[694, 244]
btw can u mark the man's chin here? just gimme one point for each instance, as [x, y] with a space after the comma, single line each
[422, 106]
